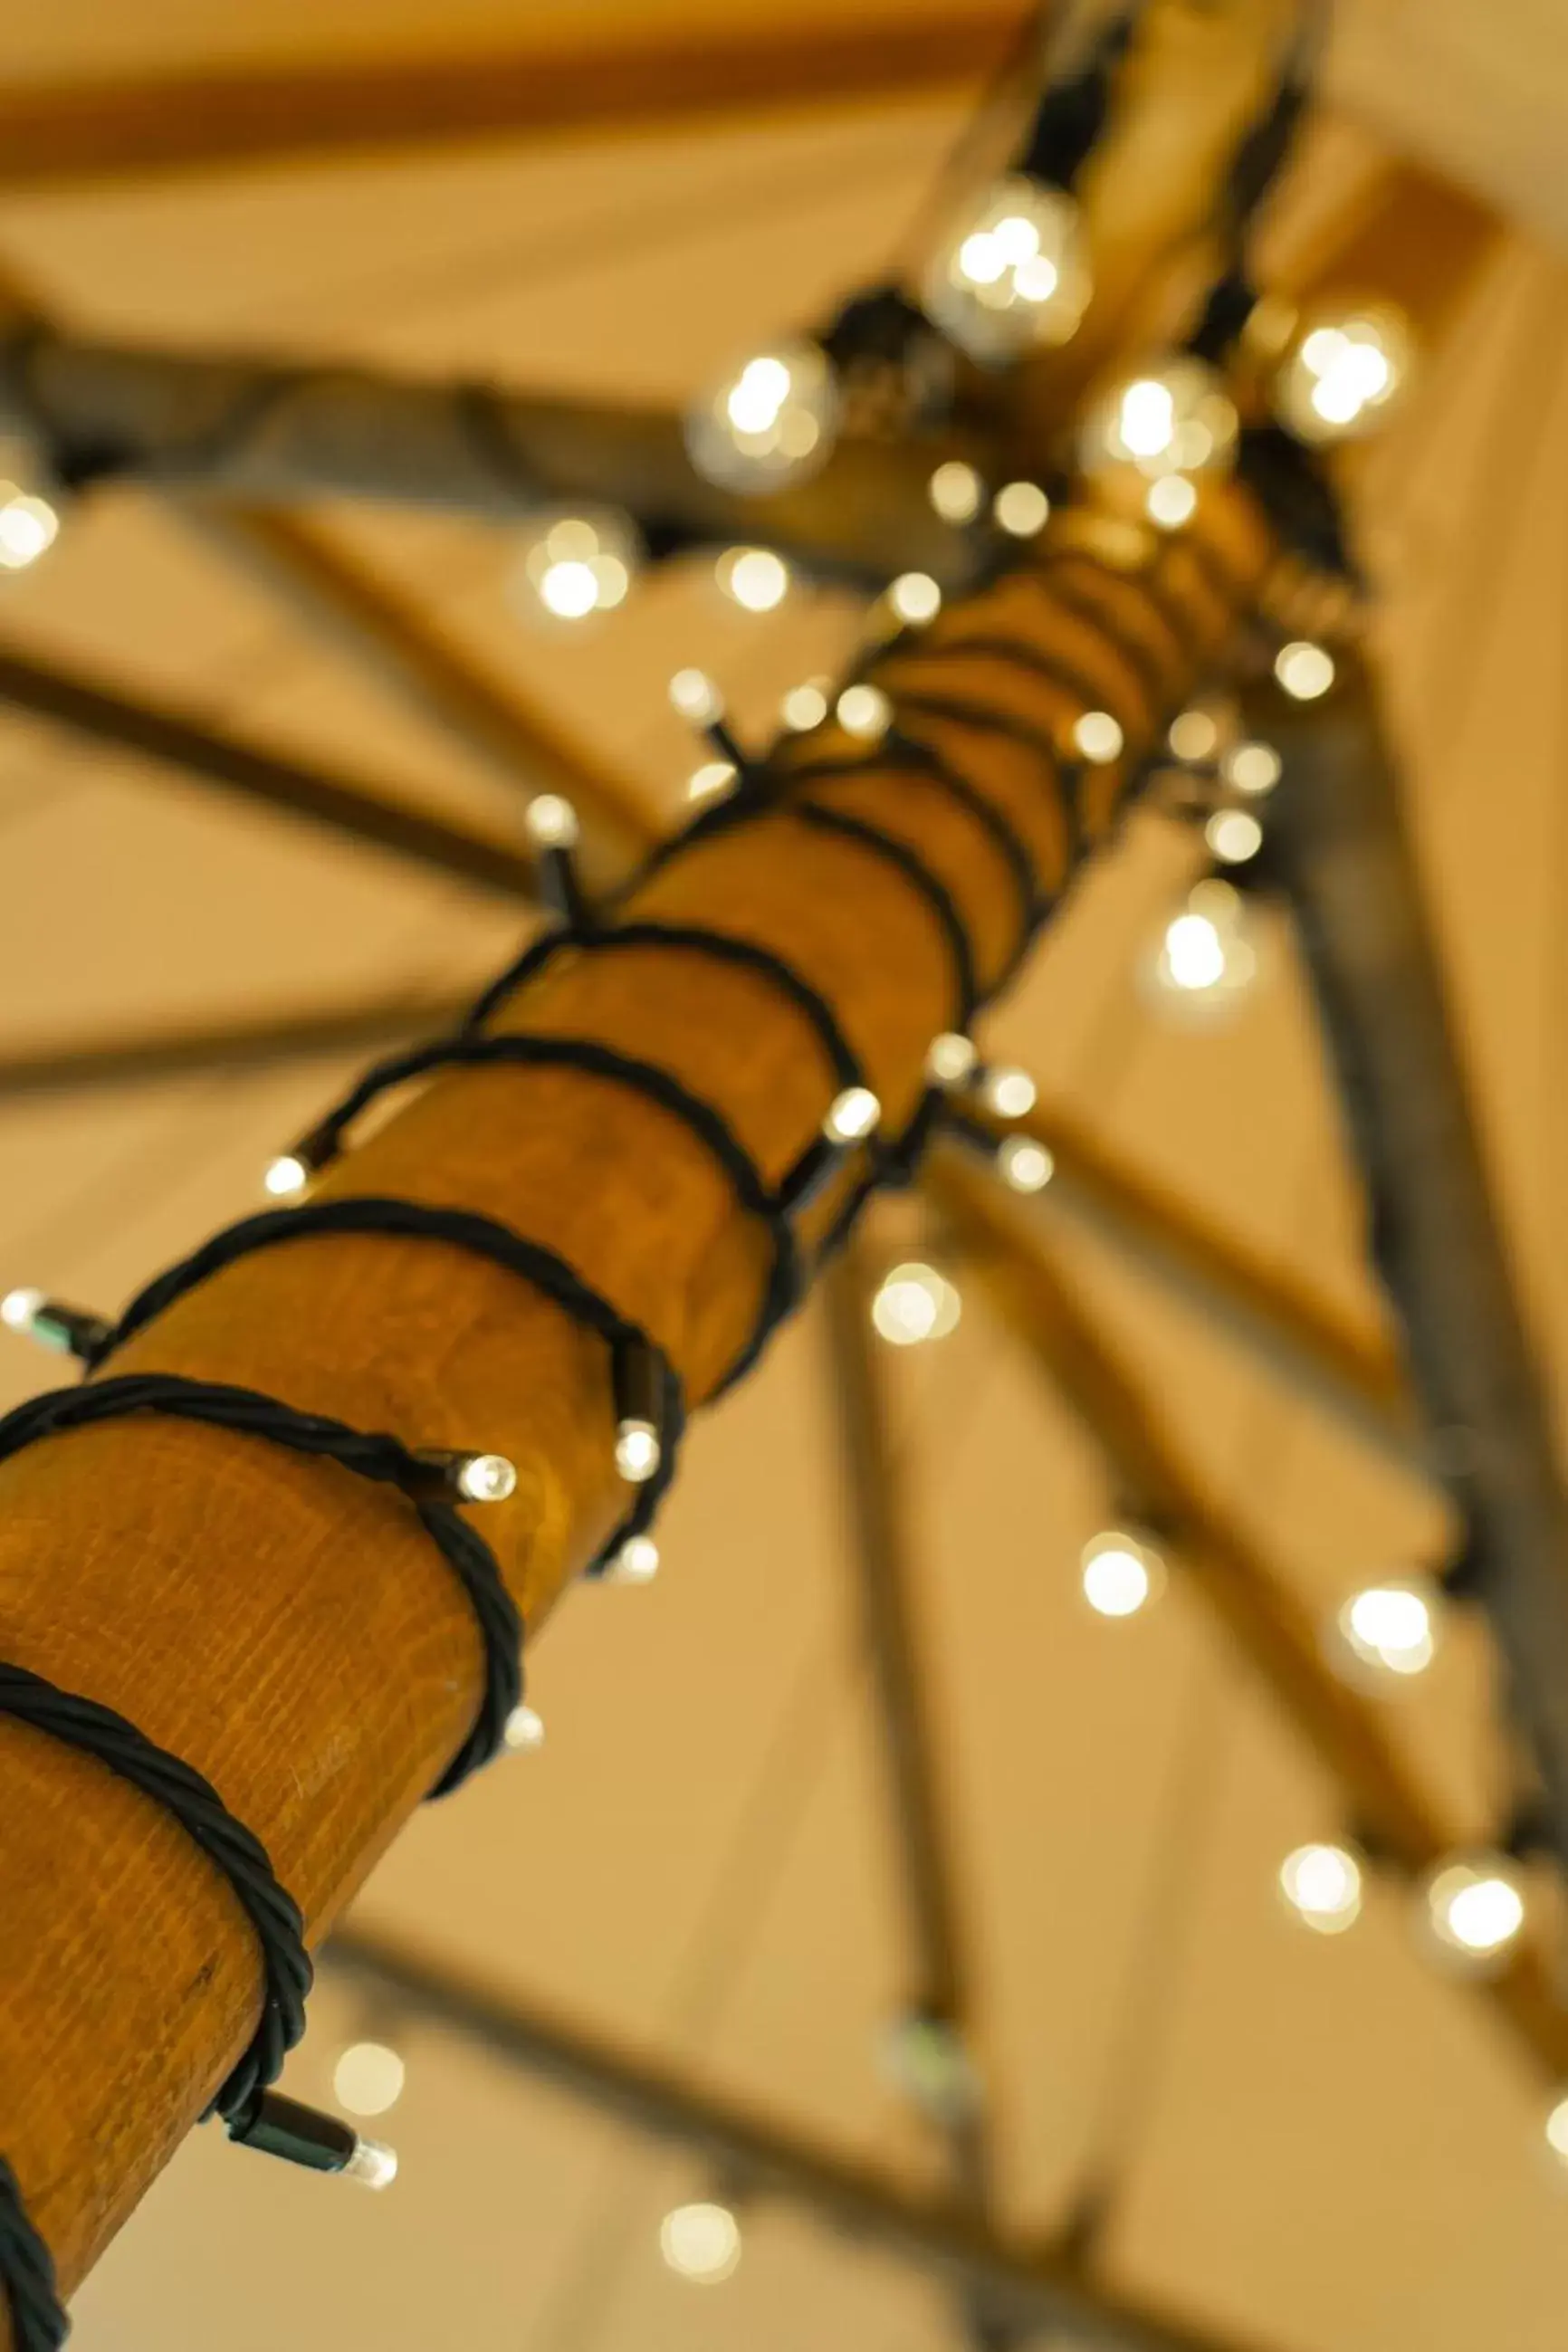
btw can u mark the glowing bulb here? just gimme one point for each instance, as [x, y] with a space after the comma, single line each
[1251, 768]
[1393, 1627]
[1171, 501]
[1120, 1574]
[915, 1303]
[1011, 1094]
[486, 1478]
[852, 1115]
[915, 597]
[1193, 736]
[804, 708]
[1195, 952]
[753, 577]
[637, 1451]
[1322, 1884]
[1304, 670]
[1204, 958]
[637, 1562]
[1475, 1908]
[956, 491]
[575, 564]
[368, 2078]
[693, 693]
[552, 821]
[950, 1059]
[18, 1308]
[1021, 509]
[373, 2164]
[864, 710]
[701, 2241]
[28, 527]
[1098, 737]
[1025, 1166]
[773, 421]
[286, 1176]
[712, 778]
[525, 1731]
[1233, 835]
[1557, 2130]
[1176, 418]
[1343, 374]
[1012, 276]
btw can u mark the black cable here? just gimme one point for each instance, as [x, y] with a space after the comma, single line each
[38, 2322]
[920, 879]
[463, 1229]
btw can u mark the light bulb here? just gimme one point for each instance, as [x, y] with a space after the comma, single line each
[637, 1451]
[1342, 374]
[28, 527]
[915, 597]
[753, 577]
[1025, 1166]
[368, 2078]
[18, 1308]
[525, 1731]
[865, 711]
[1193, 735]
[1322, 1884]
[712, 778]
[851, 1116]
[915, 1303]
[1253, 768]
[1021, 509]
[1304, 670]
[486, 1478]
[702, 2242]
[637, 1562]
[1122, 1573]
[1194, 955]
[804, 708]
[1233, 835]
[1557, 2129]
[1012, 275]
[771, 421]
[552, 821]
[1204, 958]
[1393, 1627]
[1174, 418]
[693, 693]
[373, 2164]
[286, 1176]
[1098, 737]
[574, 564]
[1476, 1909]
[1011, 1094]
[950, 1059]
[956, 491]
[1171, 501]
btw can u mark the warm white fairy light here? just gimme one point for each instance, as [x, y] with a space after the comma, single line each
[1556, 2128]
[1233, 835]
[1342, 374]
[1024, 1165]
[804, 708]
[486, 1478]
[1322, 1886]
[753, 577]
[575, 564]
[19, 1308]
[915, 598]
[864, 710]
[950, 1059]
[1476, 1909]
[1098, 737]
[637, 1451]
[1204, 956]
[693, 693]
[955, 490]
[285, 1177]
[915, 1303]
[373, 2164]
[637, 1562]
[1193, 735]
[771, 421]
[1304, 670]
[525, 1731]
[1393, 1627]
[1010, 1093]
[852, 1115]
[1252, 768]
[1173, 418]
[1012, 274]
[1021, 509]
[702, 2241]
[1171, 502]
[711, 779]
[552, 821]
[368, 2078]
[28, 527]
[1122, 1573]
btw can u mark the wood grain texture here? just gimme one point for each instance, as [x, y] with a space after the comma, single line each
[289, 1630]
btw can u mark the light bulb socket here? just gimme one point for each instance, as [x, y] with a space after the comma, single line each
[444, 1474]
[274, 2126]
[293, 1169]
[67, 1330]
[726, 746]
[560, 886]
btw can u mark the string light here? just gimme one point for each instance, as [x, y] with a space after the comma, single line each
[915, 597]
[1024, 1165]
[19, 1309]
[864, 710]
[702, 2241]
[711, 778]
[1322, 1886]
[693, 693]
[852, 1115]
[1254, 768]
[1193, 735]
[1012, 275]
[368, 2078]
[29, 527]
[1205, 957]
[1098, 737]
[1557, 2129]
[1010, 1093]
[1122, 1573]
[1342, 374]
[68, 1330]
[1304, 670]
[804, 708]
[1233, 835]
[637, 1562]
[955, 490]
[525, 1731]
[1394, 1628]
[552, 821]
[771, 421]
[1021, 509]
[1475, 1908]
[753, 577]
[285, 1177]
[575, 564]
[486, 1478]
[636, 1451]
[1171, 501]
[915, 1303]
[950, 1059]
[1176, 418]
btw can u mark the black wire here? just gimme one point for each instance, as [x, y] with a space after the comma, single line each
[920, 879]
[38, 2322]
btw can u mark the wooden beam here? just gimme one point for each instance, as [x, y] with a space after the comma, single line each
[631, 77]
[338, 803]
[871, 2207]
[1254, 1603]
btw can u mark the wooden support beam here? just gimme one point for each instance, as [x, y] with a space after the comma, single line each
[874, 2207]
[339, 802]
[1253, 1601]
[630, 76]
[130, 1968]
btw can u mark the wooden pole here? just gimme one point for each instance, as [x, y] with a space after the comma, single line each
[289, 1630]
